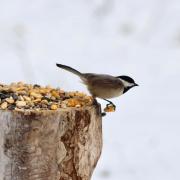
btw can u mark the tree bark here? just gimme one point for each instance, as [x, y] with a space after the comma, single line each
[50, 145]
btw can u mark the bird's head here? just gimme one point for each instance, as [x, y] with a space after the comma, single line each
[128, 82]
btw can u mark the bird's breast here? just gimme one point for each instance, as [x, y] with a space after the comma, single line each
[103, 86]
[106, 93]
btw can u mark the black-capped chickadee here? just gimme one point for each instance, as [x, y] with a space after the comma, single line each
[102, 85]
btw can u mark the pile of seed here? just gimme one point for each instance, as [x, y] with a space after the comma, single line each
[20, 96]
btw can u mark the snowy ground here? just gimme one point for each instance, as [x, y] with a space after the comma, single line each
[134, 37]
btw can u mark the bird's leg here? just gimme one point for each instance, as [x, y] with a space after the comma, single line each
[95, 101]
[110, 103]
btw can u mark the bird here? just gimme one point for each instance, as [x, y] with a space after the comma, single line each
[103, 86]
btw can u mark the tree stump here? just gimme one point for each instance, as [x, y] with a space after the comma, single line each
[50, 145]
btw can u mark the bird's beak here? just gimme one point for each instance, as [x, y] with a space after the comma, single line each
[136, 84]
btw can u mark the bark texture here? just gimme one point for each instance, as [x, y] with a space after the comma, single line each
[50, 145]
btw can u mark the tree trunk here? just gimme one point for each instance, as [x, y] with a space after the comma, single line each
[50, 145]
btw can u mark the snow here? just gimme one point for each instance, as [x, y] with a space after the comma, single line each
[137, 38]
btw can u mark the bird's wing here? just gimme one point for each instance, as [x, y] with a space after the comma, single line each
[102, 80]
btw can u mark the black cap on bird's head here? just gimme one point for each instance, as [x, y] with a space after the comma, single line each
[128, 82]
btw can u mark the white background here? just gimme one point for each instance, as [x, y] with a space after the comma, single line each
[139, 38]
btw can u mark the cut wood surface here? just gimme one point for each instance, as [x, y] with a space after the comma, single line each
[50, 145]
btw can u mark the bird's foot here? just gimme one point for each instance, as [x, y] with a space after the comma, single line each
[110, 107]
[95, 101]
[103, 114]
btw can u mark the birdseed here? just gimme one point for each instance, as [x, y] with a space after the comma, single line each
[21, 97]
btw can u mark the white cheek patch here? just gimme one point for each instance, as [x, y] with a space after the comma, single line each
[127, 84]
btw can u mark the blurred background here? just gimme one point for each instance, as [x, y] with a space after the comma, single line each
[120, 37]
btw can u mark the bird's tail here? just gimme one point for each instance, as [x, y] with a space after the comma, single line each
[70, 69]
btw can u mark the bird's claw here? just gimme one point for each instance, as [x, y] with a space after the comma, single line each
[103, 114]
[110, 107]
[95, 101]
